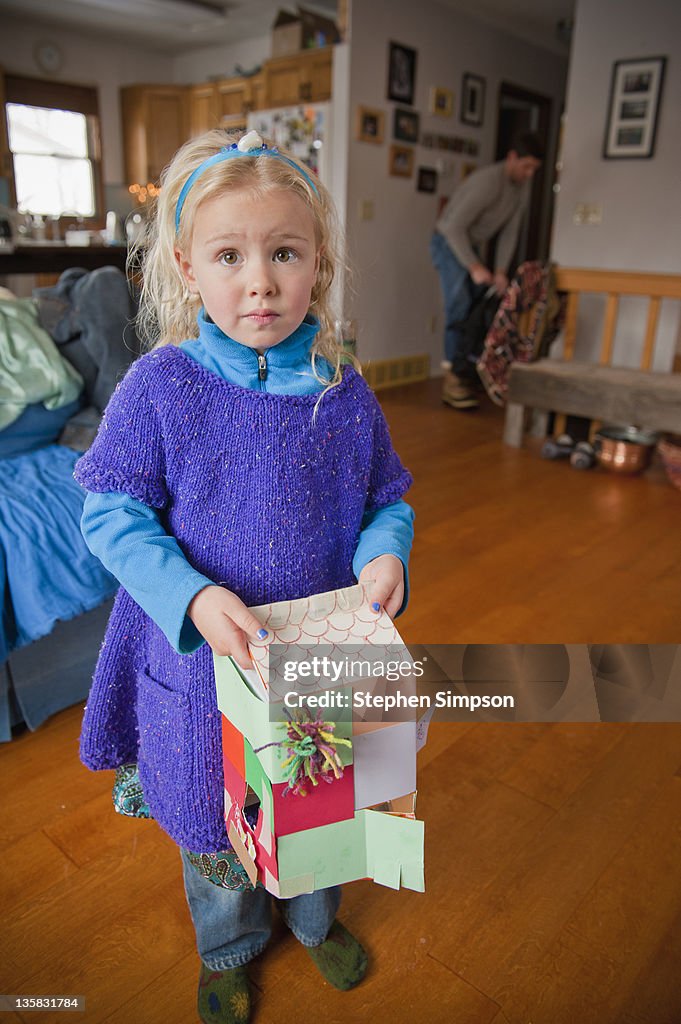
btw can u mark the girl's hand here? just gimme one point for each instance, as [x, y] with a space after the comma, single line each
[225, 622]
[387, 573]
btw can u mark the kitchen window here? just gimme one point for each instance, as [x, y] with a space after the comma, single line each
[53, 134]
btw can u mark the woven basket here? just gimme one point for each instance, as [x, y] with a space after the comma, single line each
[670, 453]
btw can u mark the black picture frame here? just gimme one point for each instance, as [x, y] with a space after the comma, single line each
[406, 125]
[633, 108]
[401, 73]
[473, 100]
[426, 180]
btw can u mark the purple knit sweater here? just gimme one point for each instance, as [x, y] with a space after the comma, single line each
[263, 500]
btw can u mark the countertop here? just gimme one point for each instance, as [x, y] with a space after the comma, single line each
[37, 257]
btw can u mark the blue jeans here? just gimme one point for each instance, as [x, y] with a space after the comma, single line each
[233, 927]
[457, 292]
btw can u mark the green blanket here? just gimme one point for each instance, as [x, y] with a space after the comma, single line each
[31, 368]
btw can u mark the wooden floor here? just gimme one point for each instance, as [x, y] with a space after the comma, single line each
[553, 864]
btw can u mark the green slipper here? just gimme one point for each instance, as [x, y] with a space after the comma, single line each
[224, 996]
[340, 959]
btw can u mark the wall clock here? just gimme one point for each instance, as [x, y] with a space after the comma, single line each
[48, 57]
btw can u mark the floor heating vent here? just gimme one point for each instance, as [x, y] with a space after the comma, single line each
[389, 373]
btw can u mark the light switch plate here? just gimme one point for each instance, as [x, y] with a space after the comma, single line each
[588, 213]
[366, 209]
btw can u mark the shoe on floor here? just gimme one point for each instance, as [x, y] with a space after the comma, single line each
[224, 997]
[340, 959]
[457, 393]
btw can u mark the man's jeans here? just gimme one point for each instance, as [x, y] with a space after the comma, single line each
[233, 927]
[458, 293]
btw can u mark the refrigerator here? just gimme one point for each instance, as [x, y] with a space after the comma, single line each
[303, 130]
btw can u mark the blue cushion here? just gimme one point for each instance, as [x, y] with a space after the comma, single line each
[35, 428]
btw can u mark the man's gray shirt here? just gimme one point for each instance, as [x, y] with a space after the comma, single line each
[487, 203]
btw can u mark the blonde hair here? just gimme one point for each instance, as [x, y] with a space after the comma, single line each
[167, 309]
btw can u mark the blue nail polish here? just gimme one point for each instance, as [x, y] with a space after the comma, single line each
[376, 606]
[261, 634]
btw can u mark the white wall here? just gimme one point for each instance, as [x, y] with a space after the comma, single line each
[640, 199]
[397, 290]
[220, 61]
[88, 60]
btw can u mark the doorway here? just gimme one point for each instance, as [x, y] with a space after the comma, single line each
[523, 111]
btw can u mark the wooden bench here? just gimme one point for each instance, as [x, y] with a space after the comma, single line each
[600, 391]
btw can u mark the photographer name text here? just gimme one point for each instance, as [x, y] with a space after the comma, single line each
[362, 699]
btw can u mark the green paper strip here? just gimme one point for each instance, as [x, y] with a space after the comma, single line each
[374, 845]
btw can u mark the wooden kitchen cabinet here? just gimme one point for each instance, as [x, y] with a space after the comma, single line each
[157, 119]
[318, 74]
[203, 108]
[238, 96]
[258, 98]
[155, 124]
[304, 77]
[225, 103]
[282, 82]
[233, 97]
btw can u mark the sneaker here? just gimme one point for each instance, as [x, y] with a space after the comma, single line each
[560, 447]
[457, 393]
[583, 456]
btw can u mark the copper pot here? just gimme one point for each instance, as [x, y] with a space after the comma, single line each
[624, 449]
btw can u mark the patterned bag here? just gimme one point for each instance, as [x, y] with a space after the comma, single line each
[529, 318]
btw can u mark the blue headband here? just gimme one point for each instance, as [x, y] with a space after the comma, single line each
[226, 154]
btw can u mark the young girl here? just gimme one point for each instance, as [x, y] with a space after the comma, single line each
[240, 462]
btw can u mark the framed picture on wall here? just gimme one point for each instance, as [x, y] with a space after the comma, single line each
[473, 100]
[369, 124]
[635, 94]
[406, 125]
[401, 73]
[427, 179]
[401, 164]
[441, 101]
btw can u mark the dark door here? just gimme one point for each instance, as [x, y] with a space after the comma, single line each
[523, 111]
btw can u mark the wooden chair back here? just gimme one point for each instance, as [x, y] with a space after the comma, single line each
[615, 284]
